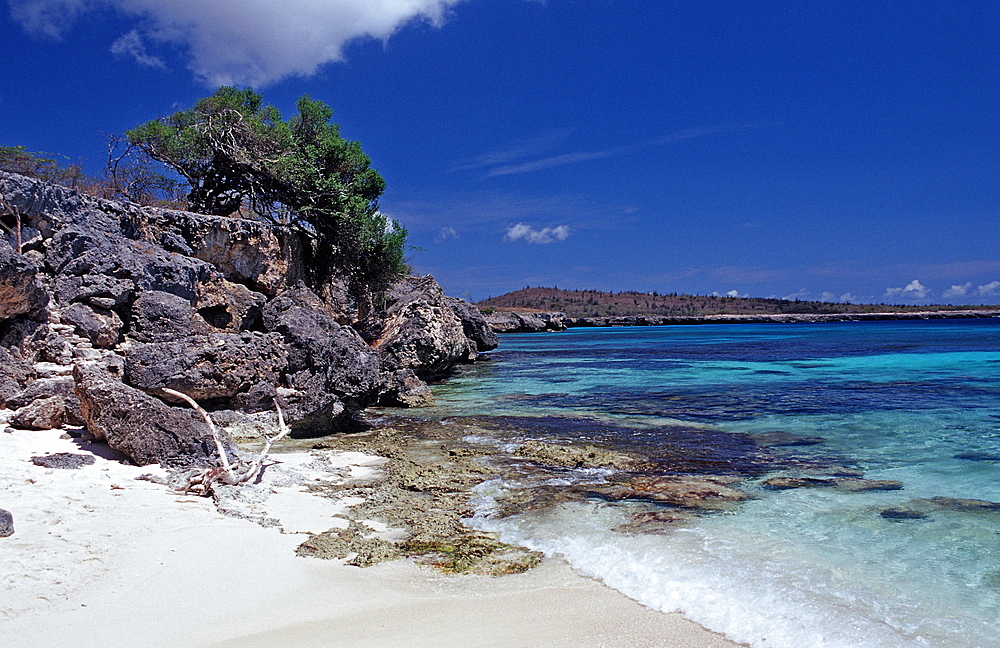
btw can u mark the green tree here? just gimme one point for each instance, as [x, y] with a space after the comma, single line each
[240, 156]
[18, 159]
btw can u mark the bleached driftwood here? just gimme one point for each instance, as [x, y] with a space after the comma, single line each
[203, 481]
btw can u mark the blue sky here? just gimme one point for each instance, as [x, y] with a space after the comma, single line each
[821, 150]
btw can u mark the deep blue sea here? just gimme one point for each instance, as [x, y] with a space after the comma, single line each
[917, 402]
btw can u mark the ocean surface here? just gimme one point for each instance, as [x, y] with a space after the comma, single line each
[917, 402]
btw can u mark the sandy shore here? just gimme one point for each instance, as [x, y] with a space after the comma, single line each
[101, 559]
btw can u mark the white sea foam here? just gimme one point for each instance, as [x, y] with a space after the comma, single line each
[745, 586]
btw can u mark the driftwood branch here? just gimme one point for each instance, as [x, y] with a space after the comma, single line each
[202, 482]
[16, 230]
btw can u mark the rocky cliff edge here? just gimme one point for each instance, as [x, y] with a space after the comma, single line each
[104, 304]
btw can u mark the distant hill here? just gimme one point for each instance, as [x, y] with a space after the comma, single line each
[595, 303]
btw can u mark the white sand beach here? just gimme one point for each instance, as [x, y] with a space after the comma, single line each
[101, 559]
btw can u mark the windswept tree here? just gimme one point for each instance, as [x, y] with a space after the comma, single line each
[240, 156]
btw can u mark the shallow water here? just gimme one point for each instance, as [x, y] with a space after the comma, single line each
[917, 402]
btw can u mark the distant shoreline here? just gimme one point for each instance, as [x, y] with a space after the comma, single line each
[523, 322]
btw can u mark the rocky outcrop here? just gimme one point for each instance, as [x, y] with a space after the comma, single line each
[474, 324]
[137, 424]
[111, 303]
[509, 322]
[20, 291]
[420, 330]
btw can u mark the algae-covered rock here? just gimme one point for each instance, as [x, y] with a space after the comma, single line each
[569, 456]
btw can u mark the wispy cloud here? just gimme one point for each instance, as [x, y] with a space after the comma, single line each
[251, 42]
[574, 157]
[518, 149]
[445, 234]
[798, 294]
[528, 234]
[132, 45]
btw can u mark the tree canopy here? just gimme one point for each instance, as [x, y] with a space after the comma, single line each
[240, 156]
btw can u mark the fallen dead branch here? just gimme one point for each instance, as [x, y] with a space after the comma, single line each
[8, 210]
[202, 482]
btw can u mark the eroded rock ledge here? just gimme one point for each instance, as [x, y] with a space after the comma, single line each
[105, 304]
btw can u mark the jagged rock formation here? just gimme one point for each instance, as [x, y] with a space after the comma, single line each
[108, 303]
[510, 322]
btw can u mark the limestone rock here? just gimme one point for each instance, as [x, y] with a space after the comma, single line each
[102, 327]
[474, 324]
[207, 367]
[848, 484]
[230, 306]
[63, 460]
[6, 523]
[137, 424]
[402, 388]
[20, 291]
[162, 317]
[46, 387]
[504, 322]
[568, 456]
[331, 371]
[420, 331]
[41, 414]
[14, 376]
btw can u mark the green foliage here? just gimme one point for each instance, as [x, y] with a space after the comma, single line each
[238, 155]
[18, 159]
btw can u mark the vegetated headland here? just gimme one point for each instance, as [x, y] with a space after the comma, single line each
[557, 309]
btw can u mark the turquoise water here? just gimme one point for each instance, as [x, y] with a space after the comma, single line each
[917, 402]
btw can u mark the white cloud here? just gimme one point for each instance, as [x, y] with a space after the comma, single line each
[798, 294]
[992, 289]
[733, 293]
[848, 298]
[531, 235]
[131, 44]
[958, 290]
[828, 297]
[912, 290]
[445, 234]
[251, 42]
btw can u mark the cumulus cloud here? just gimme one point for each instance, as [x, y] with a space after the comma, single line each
[912, 290]
[992, 289]
[131, 44]
[828, 297]
[958, 290]
[848, 298]
[798, 294]
[252, 42]
[531, 235]
[445, 234]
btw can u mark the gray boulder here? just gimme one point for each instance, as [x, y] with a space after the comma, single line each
[6, 523]
[20, 291]
[474, 324]
[14, 376]
[139, 425]
[207, 367]
[41, 414]
[106, 270]
[331, 372]
[402, 388]
[420, 331]
[62, 387]
[163, 317]
[229, 306]
[102, 327]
